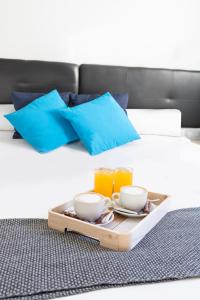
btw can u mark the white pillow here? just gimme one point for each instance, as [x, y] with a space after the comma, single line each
[156, 121]
[5, 109]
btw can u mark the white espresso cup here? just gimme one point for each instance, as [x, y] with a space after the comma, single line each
[89, 206]
[131, 197]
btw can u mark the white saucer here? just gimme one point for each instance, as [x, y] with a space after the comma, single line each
[70, 212]
[132, 214]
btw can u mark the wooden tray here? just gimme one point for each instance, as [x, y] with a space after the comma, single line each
[122, 234]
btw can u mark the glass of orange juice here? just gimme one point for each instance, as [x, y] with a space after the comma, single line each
[103, 181]
[122, 177]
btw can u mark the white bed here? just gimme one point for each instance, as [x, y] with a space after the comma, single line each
[31, 183]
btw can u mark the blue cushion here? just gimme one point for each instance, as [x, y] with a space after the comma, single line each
[101, 124]
[41, 124]
[76, 99]
[20, 99]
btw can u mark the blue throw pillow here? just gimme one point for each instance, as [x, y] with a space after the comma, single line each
[21, 99]
[101, 124]
[76, 99]
[41, 124]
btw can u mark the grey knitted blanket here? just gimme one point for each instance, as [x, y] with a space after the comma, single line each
[39, 263]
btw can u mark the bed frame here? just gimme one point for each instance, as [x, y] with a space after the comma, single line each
[147, 87]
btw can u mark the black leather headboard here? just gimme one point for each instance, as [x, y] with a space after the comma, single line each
[35, 76]
[147, 88]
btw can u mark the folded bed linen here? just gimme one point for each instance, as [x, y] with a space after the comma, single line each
[31, 183]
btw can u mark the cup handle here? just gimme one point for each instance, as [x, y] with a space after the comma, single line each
[108, 202]
[115, 196]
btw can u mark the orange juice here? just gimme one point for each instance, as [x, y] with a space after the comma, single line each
[122, 177]
[103, 181]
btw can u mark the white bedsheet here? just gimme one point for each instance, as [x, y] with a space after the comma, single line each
[31, 183]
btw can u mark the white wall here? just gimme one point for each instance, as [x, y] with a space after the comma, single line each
[156, 33]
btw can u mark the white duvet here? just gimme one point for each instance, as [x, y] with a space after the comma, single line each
[31, 183]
